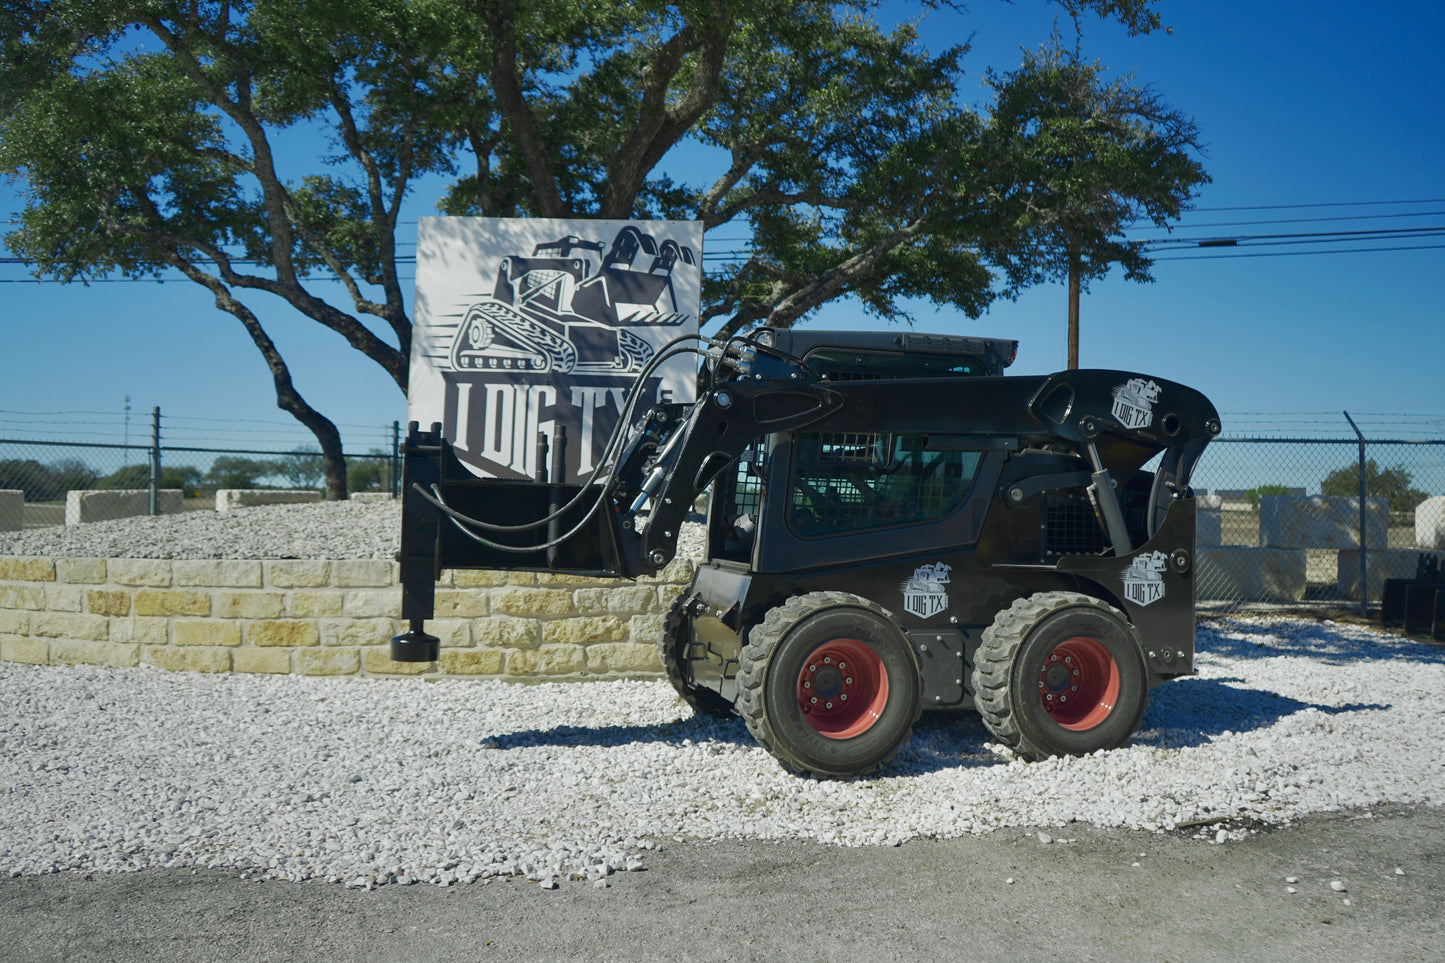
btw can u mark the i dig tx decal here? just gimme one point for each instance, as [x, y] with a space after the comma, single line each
[925, 595]
[1144, 579]
[1134, 402]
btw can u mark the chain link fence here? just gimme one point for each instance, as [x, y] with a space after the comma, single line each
[45, 456]
[1301, 521]
[1281, 520]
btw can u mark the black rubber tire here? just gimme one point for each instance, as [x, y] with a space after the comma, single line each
[1009, 675]
[770, 674]
[670, 649]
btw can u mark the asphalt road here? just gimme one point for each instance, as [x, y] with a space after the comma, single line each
[1009, 896]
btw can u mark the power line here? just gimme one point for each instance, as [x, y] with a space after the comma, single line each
[1355, 250]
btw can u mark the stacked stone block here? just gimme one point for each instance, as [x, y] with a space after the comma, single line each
[1430, 524]
[108, 505]
[326, 618]
[229, 499]
[12, 510]
[1320, 521]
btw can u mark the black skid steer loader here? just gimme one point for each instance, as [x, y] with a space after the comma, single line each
[893, 525]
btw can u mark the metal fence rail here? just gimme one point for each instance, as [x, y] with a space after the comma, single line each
[46, 470]
[1281, 519]
[1284, 519]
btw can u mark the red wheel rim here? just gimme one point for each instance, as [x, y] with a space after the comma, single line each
[842, 688]
[1079, 683]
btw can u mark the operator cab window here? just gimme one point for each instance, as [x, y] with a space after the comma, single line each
[844, 483]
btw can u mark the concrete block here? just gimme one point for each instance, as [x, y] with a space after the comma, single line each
[18, 569]
[157, 602]
[581, 631]
[12, 510]
[548, 660]
[228, 499]
[288, 633]
[1208, 528]
[298, 573]
[22, 649]
[357, 633]
[364, 573]
[199, 659]
[372, 604]
[1238, 573]
[82, 571]
[65, 625]
[1320, 521]
[250, 605]
[533, 602]
[508, 632]
[1430, 524]
[107, 602]
[213, 573]
[328, 661]
[1390, 563]
[467, 662]
[378, 662]
[105, 506]
[273, 661]
[205, 632]
[82, 652]
[623, 657]
[314, 605]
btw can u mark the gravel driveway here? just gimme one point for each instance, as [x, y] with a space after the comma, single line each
[370, 782]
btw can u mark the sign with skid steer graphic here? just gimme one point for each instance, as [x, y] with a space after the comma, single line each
[525, 325]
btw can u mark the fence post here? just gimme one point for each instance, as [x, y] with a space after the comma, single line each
[1364, 551]
[395, 480]
[154, 499]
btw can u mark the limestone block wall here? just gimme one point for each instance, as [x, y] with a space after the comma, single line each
[231, 498]
[103, 506]
[326, 618]
[12, 510]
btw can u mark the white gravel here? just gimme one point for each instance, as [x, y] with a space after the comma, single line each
[367, 782]
[317, 530]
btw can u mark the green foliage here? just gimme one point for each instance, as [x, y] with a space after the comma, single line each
[146, 131]
[44, 483]
[368, 474]
[1252, 495]
[1083, 159]
[230, 471]
[148, 134]
[133, 477]
[1389, 483]
[302, 468]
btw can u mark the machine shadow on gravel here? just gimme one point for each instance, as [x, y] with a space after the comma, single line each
[676, 733]
[1188, 714]
[1193, 712]
[1248, 641]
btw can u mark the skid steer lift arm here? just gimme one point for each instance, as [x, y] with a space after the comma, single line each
[624, 522]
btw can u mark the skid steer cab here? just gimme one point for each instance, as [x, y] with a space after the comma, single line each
[892, 525]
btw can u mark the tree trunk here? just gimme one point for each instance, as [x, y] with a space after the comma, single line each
[288, 399]
[1075, 268]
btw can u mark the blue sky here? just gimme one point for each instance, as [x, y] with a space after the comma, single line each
[1309, 111]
